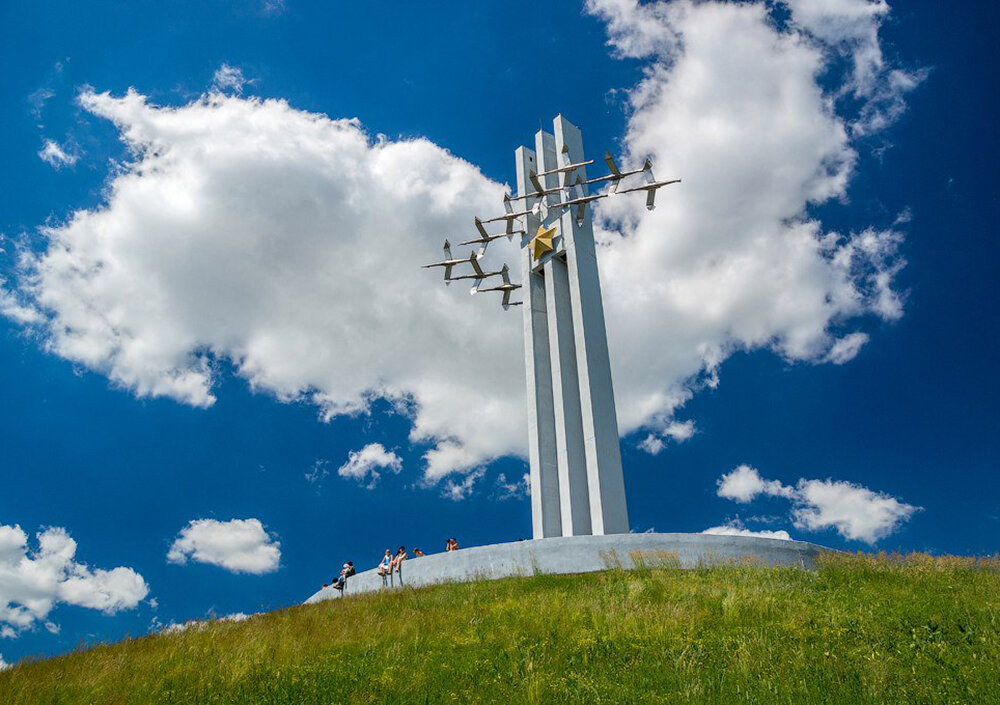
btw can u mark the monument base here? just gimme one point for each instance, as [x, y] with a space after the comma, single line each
[585, 554]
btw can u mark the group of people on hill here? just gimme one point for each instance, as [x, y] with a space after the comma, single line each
[390, 567]
[392, 564]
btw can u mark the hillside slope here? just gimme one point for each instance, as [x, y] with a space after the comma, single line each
[872, 629]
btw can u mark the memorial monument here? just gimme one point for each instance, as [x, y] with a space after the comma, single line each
[577, 486]
[579, 515]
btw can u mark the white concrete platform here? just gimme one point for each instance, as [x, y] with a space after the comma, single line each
[584, 554]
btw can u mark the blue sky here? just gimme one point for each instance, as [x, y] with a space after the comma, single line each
[88, 444]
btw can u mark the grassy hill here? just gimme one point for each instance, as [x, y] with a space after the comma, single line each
[861, 629]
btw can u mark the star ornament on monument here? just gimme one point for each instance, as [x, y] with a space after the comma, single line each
[542, 242]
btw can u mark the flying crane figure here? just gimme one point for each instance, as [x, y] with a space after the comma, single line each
[510, 215]
[449, 261]
[485, 238]
[650, 189]
[580, 201]
[478, 273]
[507, 288]
[616, 175]
[537, 193]
[566, 169]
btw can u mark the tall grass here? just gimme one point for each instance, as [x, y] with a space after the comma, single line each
[860, 629]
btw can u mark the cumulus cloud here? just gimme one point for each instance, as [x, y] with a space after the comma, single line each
[12, 307]
[33, 582]
[736, 528]
[3, 664]
[744, 484]
[678, 431]
[239, 546]
[849, 28]
[287, 244]
[856, 512]
[731, 259]
[364, 465]
[57, 156]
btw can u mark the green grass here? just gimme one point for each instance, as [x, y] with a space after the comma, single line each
[861, 629]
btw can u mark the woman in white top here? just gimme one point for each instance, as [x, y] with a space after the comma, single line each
[385, 567]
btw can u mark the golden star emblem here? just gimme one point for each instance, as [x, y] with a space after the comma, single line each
[542, 242]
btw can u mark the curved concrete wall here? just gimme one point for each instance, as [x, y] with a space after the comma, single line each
[585, 554]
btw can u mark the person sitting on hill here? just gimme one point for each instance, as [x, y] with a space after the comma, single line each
[417, 553]
[448, 546]
[454, 544]
[385, 567]
[350, 568]
[397, 563]
[341, 582]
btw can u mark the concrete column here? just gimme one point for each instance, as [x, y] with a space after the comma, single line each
[574, 498]
[605, 481]
[546, 520]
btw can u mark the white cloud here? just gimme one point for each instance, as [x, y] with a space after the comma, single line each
[33, 582]
[12, 307]
[856, 512]
[239, 546]
[288, 244]
[744, 484]
[652, 444]
[847, 348]
[678, 431]
[736, 528]
[512, 489]
[636, 30]
[57, 156]
[228, 78]
[731, 259]
[364, 465]
[3, 664]
[319, 472]
[457, 490]
[850, 29]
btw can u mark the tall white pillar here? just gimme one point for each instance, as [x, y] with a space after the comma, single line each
[606, 482]
[576, 473]
[571, 461]
[543, 473]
